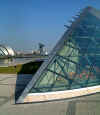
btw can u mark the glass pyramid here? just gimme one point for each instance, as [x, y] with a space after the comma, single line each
[75, 61]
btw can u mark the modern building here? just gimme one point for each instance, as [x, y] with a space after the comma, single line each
[73, 67]
[82, 105]
[6, 51]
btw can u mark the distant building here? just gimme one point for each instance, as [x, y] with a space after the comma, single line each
[6, 51]
[42, 49]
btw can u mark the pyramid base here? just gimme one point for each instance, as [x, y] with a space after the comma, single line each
[58, 95]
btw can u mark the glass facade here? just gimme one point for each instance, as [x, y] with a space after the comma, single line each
[6, 51]
[77, 63]
[3, 51]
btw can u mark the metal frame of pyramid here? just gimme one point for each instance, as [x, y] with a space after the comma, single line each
[48, 96]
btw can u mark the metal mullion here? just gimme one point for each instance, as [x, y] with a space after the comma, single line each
[68, 60]
[94, 41]
[63, 70]
[56, 73]
[87, 57]
[71, 46]
[90, 63]
[90, 70]
[54, 70]
[74, 75]
[67, 64]
[64, 62]
[71, 53]
[3, 52]
[55, 67]
[69, 80]
[40, 79]
[74, 43]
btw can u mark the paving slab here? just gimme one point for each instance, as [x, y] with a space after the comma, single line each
[86, 105]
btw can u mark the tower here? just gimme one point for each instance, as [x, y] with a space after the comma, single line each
[41, 48]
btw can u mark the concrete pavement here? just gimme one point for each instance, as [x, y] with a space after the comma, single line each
[87, 105]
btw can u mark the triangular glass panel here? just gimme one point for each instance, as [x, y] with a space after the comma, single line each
[73, 64]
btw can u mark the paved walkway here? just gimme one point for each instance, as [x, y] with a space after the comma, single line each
[88, 105]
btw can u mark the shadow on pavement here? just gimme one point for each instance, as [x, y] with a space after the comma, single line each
[25, 75]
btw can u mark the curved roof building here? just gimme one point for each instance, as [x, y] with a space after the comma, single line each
[6, 51]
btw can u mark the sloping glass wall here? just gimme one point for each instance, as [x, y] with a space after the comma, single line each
[77, 64]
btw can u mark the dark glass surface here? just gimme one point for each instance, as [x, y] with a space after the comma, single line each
[77, 64]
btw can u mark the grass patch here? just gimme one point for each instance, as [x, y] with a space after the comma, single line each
[28, 68]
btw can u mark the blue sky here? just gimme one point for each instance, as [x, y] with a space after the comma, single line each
[25, 23]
